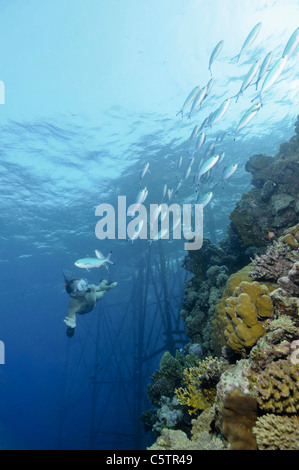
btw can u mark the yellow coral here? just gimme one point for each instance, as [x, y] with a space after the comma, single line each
[195, 395]
[275, 432]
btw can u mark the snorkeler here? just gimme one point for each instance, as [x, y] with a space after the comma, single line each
[84, 297]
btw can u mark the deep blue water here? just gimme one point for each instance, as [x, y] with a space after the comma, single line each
[92, 89]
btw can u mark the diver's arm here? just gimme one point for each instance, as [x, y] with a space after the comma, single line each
[104, 285]
[70, 318]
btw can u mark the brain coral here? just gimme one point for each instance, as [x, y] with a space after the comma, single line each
[250, 303]
[277, 432]
[277, 387]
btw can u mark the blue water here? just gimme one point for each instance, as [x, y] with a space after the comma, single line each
[92, 89]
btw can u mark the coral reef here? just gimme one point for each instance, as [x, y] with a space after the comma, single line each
[277, 387]
[242, 306]
[275, 432]
[200, 391]
[272, 203]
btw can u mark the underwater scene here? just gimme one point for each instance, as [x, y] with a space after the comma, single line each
[149, 261]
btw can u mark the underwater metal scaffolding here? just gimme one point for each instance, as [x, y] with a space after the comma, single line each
[108, 367]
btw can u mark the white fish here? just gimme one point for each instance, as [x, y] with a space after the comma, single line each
[219, 113]
[146, 166]
[204, 200]
[208, 165]
[248, 78]
[215, 54]
[248, 116]
[194, 133]
[209, 86]
[197, 101]
[228, 171]
[180, 162]
[221, 158]
[200, 141]
[189, 99]
[164, 192]
[187, 174]
[292, 44]
[272, 76]
[178, 187]
[100, 260]
[169, 194]
[137, 231]
[264, 67]
[209, 150]
[249, 40]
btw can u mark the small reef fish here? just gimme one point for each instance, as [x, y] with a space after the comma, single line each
[270, 235]
[180, 162]
[264, 67]
[248, 78]
[200, 141]
[209, 86]
[272, 76]
[194, 133]
[248, 116]
[219, 113]
[221, 158]
[228, 171]
[197, 101]
[137, 231]
[143, 172]
[209, 150]
[204, 200]
[249, 40]
[89, 263]
[292, 44]
[178, 187]
[207, 165]
[189, 100]
[215, 54]
[164, 192]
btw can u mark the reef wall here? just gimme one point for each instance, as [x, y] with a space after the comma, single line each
[239, 376]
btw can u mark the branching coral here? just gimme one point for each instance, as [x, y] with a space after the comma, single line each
[277, 387]
[200, 391]
[275, 432]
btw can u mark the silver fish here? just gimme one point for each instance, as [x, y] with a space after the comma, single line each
[248, 116]
[194, 133]
[264, 67]
[198, 100]
[208, 165]
[88, 263]
[215, 54]
[248, 78]
[220, 111]
[146, 166]
[200, 141]
[204, 200]
[228, 171]
[189, 99]
[292, 44]
[272, 76]
[249, 40]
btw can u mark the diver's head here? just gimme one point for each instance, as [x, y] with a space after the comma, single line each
[77, 287]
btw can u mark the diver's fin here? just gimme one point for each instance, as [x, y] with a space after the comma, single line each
[68, 275]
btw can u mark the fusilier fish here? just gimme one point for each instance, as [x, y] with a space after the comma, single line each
[194, 133]
[272, 76]
[208, 165]
[248, 78]
[200, 141]
[264, 67]
[292, 44]
[89, 263]
[215, 54]
[189, 99]
[146, 166]
[248, 116]
[197, 101]
[219, 113]
[249, 40]
[204, 200]
[228, 171]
